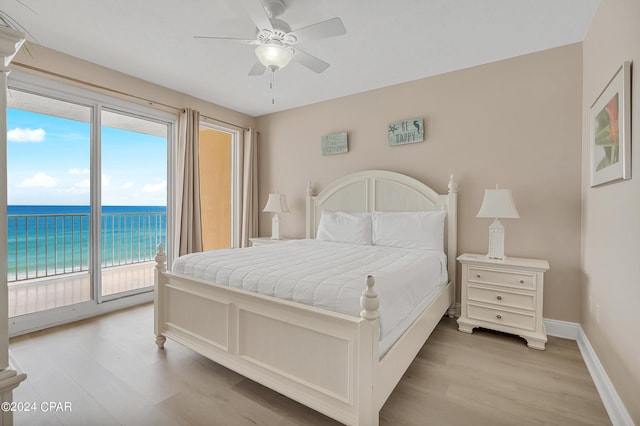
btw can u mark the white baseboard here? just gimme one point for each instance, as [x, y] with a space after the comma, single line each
[618, 414]
[563, 329]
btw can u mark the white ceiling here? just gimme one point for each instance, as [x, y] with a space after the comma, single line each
[387, 42]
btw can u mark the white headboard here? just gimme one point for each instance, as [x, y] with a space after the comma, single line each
[382, 190]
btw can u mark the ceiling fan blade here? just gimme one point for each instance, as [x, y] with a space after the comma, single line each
[310, 61]
[258, 15]
[257, 69]
[329, 28]
[234, 39]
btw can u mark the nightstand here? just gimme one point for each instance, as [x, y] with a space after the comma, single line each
[503, 295]
[263, 241]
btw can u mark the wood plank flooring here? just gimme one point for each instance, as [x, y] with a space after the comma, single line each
[110, 371]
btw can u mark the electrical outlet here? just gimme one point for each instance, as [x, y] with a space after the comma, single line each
[597, 312]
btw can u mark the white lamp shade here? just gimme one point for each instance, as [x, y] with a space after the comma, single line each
[273, 55]
[277, 203]
[498, 203]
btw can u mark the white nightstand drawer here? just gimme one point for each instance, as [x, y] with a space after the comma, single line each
[508, 278]
[502, 298]
[503, 294]
[503, 317]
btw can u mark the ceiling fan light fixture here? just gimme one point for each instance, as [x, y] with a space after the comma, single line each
[274, 55]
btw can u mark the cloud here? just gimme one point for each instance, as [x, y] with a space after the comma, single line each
[41, 180]
[25, 135]
[106, 180]
[127, 185]
[81, 187]
[156, 187]
[76, 171]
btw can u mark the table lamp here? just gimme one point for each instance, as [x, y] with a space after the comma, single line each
[277, 203]
[498, 204]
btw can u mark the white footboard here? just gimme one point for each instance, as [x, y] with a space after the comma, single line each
[325, 360]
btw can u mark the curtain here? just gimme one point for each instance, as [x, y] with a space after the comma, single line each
[249, 208]
[188, 229]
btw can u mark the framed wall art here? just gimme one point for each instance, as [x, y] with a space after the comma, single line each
[610, 127]
[335, 143]
[405, 132]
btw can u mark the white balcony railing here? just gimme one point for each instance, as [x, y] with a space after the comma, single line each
[46, 245]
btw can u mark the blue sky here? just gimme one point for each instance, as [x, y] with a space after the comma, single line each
[48, 163]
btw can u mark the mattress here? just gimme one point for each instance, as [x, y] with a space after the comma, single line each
[330, 276]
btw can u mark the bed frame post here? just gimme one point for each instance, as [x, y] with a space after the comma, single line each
[452, 240]
[158, 295]
[311, 212]
[369, 330]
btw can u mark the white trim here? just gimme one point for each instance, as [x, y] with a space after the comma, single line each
[562, 329]
[618, 414]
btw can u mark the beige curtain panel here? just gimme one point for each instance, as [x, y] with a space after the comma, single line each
[188, 220]
[249, 200]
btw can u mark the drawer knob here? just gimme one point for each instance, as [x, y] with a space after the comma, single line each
[478, 276]
[499, 316]
[499, 297]
[521, 281]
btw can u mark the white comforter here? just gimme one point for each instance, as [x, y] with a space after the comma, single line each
[328, 275]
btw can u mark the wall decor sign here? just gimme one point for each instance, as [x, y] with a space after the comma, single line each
[406, 131]
[335, 143]
[611, 130]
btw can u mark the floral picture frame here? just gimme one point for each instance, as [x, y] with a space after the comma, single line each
[610, 128]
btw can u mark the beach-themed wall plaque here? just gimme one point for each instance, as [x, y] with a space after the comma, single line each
[334, 143]
[406, 131]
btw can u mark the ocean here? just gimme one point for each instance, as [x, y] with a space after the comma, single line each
[53, 240]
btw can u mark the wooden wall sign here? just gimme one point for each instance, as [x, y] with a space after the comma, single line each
[335, 143]
[406, 131]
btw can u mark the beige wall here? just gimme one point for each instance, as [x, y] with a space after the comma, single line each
[215, 188]
[611, 213]
[516, 123]
[73, 68]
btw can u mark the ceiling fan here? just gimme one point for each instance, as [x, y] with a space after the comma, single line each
[275, 40]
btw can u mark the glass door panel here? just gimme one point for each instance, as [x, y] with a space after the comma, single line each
[48, 185]
[134, 201]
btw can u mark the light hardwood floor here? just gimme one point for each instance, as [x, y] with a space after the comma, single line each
[110, 371]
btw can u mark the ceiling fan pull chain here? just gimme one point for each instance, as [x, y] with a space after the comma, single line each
[273, 86]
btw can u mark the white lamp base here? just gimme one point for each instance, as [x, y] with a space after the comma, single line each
[496, 241]
[275, 227]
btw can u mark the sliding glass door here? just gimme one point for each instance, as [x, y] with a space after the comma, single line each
[134, 200]
[48, 209]
[87, 201]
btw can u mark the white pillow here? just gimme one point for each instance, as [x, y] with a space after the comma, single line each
[341, 227]
[419, 230]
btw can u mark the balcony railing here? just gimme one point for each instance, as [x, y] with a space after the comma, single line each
[46, 245]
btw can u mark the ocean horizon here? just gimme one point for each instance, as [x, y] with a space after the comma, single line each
[46, 240]
[34, 209]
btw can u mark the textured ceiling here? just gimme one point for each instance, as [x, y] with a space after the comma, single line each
[386, 42]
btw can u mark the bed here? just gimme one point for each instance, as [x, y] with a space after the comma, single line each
[335, 362]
